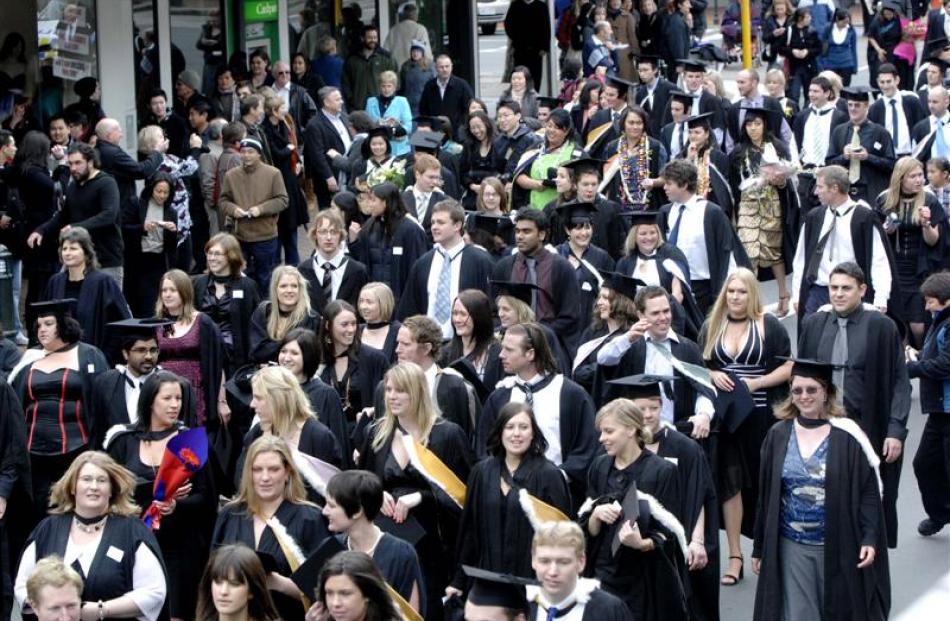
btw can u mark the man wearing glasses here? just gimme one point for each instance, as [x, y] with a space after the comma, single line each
[298, 100]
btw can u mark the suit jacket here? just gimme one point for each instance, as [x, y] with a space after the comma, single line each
[666, 139]
[454, 104]
[876, 169]
[909, 103]
[319, 137]
[354, 277]
[656, 112]
[601, 117]
[707, 103]
[474, 273]
[409, 199]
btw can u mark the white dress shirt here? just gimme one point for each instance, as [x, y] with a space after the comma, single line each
[433, 283]
[341, 130]
[840, 248]
[946, 132]
[902, 142]
[336, 276]
[284, 93]
[132, 391]
[817, 135]
[680, 136]
[692, 237]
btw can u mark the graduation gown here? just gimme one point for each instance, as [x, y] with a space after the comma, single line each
[575, 411]
[657, 109]
[354, 277]
[388, 259]
[100, 302]
[599, 605]
[593, 262]
[245, 298]
[264, 349]
[585, 361]
[721, 190]
[437, 513]
[876, 169]
[474, 273]
[609, 226]
[697, 493]
[649, 583]
[495, 533]
[853, 518]
[15, 483]
[398, 563]
[328, 408]
[453, 398]
[877, 388]
[491, 370]
[303, 522]
[365, 370]
[659, 156]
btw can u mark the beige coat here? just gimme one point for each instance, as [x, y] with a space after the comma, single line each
[625, 31]
[260, 186]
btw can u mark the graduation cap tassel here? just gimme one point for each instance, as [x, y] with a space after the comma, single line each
[668, 520]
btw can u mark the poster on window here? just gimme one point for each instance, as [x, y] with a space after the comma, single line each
[71, 68]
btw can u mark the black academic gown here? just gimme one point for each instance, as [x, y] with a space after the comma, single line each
[659, 156]
[438, 514]
[609, 226]
[303, 522]
[100, 302]
[853, 518]
[355, 389]
[495, 533]
[585, 361]
[263, 348]
[328, 408]
[882, 404]
[15, 485]
[474, 273]
[593, 262]
[650, 583]
[109, 401]
[599, 606]
[697, 493]
[245, 298]
[576, 425]
[876, 169]
[354, 277]
[398, 563]
[453, 398]
[721, 191]
[388, 259]
[657, 109]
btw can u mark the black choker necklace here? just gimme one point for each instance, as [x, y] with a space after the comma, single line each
[646, 257]
[812, 423]
[89, 525]
[732, 319]
[376, 325]
[221, 280]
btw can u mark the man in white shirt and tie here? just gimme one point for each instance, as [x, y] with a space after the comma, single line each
[931, 136]
[896, 110]
[830, 236]
[675, 134]
[653, 93]
[424, 193]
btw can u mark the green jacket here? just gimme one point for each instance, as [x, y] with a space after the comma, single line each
[361, 77]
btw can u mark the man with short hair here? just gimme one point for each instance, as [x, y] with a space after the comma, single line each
[564, 410]
[402, 35]
[598, 49]
[603, 126]
[844, 231]
[863, 147]
[91, 202]
[932, 366]
[424, 193]
[60, 141]
[653, 93]
[896, 111]
[747, 83]
[327, 139]
[930, 75]
[558, 557]
[176, 128]
[114, 160]
[812, 128]
[675, 134]
[299, 103]
[200, 114]
[446, 94]
[514, 138]
[54, 592]
[701, 100]
[556, 303]
[361, 70]
[331, 273]
[870, 372]
[252, 115]
[931, 135]
[436, 277]
[419, 341]
[254, 195]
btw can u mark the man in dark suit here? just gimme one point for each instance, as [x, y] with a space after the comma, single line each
[436, 277]
[924, 133]
[863, 147]
[424, 194]
[602, 127]
[931, 75]
[446, 95]
[331, 273]
[115, 161]
[653, 93]
[896, 111]
[675, 134]
[327, 138]
[694, 72]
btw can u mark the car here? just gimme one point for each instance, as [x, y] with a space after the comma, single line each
[490, 14]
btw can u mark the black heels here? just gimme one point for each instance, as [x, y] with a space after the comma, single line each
[730, 579]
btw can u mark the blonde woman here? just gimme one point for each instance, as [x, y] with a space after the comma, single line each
[394, 444]
[392, 111]
[741, 343]
[915, 223]
[775, 87]
[376, 305]
[271, 514]
[287, 307]
[92, 513]
[649, 547]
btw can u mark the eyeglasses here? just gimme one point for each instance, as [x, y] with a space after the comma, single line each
[144, 350]
[808, 390]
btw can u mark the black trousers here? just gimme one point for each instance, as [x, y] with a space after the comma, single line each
[703, 294]
[932, 467]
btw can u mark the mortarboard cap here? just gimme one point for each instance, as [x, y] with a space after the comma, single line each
[549, 102]
[700, 120]
[809, 367]
[383, 131]
[409, 530]
[621, 283]
[495, 224]
[650, 59]
[630, 505]
[938, 43]
[307, 575]
[858, 93]
[642, 386]
[493, 589]
[766, 114]
[426, 141]
[692, 65]
[584, 163]
[518, 290]
[428, 121]
[684, 98]
[63, 306]
[620, 84]
[641, 217]
[576, 212]
[144, 327]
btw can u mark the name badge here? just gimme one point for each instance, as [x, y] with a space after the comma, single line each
[877, 145]
[115, 554]
[585, 286]
[397, 251]
[90, 368]
[237, 294]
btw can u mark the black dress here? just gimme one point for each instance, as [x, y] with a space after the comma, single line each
[438, 514]
[302, 522]
[278, 138]
[650, 583]
[231, 313]
[185, 535]
[365, 369]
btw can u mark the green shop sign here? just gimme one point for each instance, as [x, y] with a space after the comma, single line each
[260, 11]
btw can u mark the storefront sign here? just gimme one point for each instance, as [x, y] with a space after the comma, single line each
[260, 10]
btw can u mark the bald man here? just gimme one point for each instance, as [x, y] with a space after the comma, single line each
[115, 161]
[927, 144]
[747, 83]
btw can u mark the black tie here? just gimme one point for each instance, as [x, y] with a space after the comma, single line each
[528, 393]
[327, 284]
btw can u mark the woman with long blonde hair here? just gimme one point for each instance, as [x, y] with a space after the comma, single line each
[287, 308]
[915, 223]
[743, 343]
[410, 433]
[271, 514]
[92, 512]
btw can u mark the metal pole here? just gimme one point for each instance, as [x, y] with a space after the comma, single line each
[746, 8]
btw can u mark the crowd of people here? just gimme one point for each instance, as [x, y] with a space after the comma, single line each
[527, 370]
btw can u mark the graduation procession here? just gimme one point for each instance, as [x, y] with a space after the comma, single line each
[357, 345]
